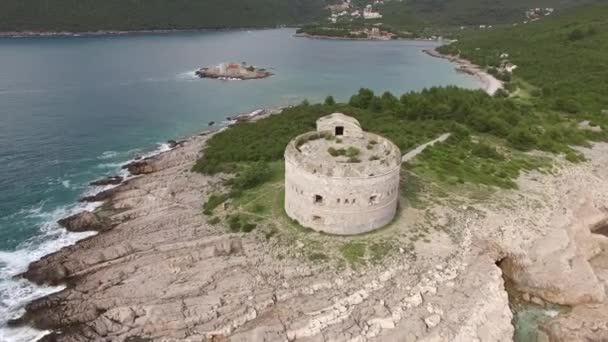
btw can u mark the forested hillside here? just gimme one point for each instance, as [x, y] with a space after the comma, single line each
[90, 15]
[564, 58]
[441, 13]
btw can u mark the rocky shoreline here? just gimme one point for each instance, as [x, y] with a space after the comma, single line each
[158, 270]
[233, 71]
[310, 36]
[25, 34]
[491, 83]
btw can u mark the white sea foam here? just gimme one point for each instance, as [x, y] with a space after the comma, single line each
[15, 293]
[188, 75]
[551, 313]
[111, 165]
[22, 334]
[66, 184]
[108, 155]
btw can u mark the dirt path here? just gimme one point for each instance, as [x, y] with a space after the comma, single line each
[413, 153]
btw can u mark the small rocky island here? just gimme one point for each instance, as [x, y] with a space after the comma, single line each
[233, 71]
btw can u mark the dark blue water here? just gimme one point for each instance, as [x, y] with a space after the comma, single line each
[74, 109]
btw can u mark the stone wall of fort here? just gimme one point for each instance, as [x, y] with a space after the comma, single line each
[338, 197]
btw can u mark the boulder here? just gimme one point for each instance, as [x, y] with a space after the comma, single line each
[175, 143]
[84, 221]
[432, 321]
[582, 323]
[112, 180]
[99, 197]
[140, 167]
[556, 267]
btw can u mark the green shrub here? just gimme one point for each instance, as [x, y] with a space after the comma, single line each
[363, 99]
[336, 152]
[213, 202]
[240, 223]
[329, 101]
[317, 257]
[234, 223]
[501, 93]
[574, 157]
[214, 220]
[253, 175]
[482, 150]
[352, 152]
[576, 35]
[522, 138]
[567, 105]
[248, 227]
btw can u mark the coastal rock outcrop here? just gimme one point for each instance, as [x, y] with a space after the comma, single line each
[175, 143]
[84, 221]
[140, 167]
[100, 196]
[557, 267]
[583, 323]
[112, 180]
[234, 71]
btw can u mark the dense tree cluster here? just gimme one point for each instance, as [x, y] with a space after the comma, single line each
[564, 57]
[489, 133]
[92, 15]
[443, 13]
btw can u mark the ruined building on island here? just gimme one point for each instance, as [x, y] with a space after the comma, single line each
[341, 180]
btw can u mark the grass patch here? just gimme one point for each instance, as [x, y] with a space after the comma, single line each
[353, 252]
[463, 161]
[379, 250]
[240, 223]
[336, 152]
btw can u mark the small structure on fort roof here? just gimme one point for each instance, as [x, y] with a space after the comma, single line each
[340, 179]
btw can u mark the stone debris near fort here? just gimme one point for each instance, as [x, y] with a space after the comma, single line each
[341, 180]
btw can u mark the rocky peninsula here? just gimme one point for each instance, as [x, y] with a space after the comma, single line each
[158, 270]
[233, 71]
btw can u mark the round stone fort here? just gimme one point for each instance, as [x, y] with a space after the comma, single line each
[341, 180]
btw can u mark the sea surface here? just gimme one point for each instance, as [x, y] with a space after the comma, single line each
[73, 109]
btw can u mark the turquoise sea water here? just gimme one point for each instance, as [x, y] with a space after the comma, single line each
[74, 109]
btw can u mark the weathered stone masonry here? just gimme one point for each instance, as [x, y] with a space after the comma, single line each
[337, 194]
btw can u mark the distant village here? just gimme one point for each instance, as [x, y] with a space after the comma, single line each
[359, 19]
[531, 15]
[345, 11]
